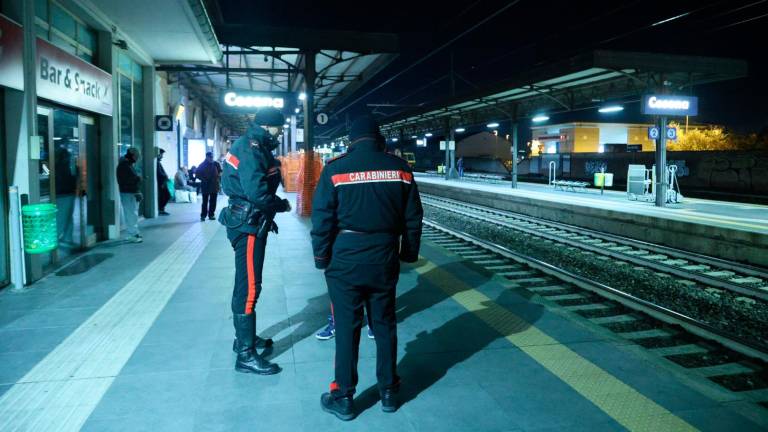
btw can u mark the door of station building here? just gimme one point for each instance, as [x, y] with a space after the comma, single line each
[69, 176]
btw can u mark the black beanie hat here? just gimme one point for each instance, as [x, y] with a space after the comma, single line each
[364, 126]
[269, 116]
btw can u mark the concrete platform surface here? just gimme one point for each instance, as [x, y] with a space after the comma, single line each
[138, 338]
[741, 216]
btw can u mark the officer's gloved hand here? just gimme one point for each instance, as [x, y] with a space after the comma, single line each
[287, 205]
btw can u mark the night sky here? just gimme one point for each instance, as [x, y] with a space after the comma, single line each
[522, 34]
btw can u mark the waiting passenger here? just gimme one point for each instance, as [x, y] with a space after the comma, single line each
[181, 180]
[129, 183]
[209, 173]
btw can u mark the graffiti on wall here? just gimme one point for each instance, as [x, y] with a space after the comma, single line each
[594, 166]
[743, 171]
[682, 169]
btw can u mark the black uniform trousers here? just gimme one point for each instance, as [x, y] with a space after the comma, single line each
[209, 205]
[363, 273]
[249, 262]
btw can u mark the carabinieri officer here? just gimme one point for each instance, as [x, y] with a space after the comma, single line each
[366, 217]
[250, 178]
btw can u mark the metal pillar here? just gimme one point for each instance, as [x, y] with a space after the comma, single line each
[447, 166]
[309, 110]
[292, 145]
[453, 173]
[661, 164]
[30, 68]
[18, 273]
[514, 154]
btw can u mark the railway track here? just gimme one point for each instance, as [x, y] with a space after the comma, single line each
[683, 340]
[713, 273]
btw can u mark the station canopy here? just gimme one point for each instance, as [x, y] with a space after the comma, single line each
[588, 80]
[280, 69]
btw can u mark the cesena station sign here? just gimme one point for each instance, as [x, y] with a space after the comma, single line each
[670, 105]
[61, 77]
[248, 101]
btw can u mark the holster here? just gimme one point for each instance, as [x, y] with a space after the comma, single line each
[244, 213]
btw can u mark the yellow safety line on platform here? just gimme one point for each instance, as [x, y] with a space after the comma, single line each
[617, 399]
[62, 390]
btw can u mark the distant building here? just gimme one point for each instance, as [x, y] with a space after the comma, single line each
[591, 137]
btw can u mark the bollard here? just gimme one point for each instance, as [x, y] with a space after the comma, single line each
[18, 272]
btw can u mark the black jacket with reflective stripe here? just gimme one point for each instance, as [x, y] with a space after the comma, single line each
[366, 191]
[251, 174]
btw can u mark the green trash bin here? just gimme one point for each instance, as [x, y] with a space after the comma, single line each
[599, 179]
[39, 224]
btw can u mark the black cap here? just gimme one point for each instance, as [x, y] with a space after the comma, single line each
[162, 151]
[364, 126]
[208, 154]
[269, 117]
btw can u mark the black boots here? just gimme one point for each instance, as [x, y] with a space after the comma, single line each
[248, 360]
[258, 343]
[341, 407]
[389, 402]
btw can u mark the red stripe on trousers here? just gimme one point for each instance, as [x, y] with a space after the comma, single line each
[251, 275]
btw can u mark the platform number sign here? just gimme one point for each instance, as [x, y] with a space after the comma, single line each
[322, 118]
[653, 133]
[672, 134]
[163, 123]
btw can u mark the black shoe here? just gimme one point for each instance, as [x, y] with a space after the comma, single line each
[248, 360]
[342, 407]
[211, 218]
[389, 402]
[259, 343]
[202, 219]
[164, 213]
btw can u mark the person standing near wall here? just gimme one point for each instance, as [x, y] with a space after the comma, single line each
[209, 173]
[129, 183]
[163, 194]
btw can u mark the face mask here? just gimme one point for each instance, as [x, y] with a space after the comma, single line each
[274, 131]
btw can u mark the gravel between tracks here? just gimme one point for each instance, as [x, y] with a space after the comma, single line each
[732, 313]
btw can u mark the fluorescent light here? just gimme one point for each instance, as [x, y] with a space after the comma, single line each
[611, 109]
[413, 137]
[428, 134]
[460, 130]
[302, 96]
[394, 139]
[296, 110]
[540, 118]
[492, 125]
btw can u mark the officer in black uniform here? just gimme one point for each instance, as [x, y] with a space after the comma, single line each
[250, 178]
[366, 217]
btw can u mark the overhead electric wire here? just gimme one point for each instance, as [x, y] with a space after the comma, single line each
[429, 55]
[739, 23]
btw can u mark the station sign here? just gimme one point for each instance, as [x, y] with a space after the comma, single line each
[654, 133]
[61, 77]
[322, 118]
[163, 123]
[451, 145]
[248, 101]
[670, 105]
[672, 134]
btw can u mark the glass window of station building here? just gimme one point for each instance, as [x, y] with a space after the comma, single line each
[56, 25]
[130, 103]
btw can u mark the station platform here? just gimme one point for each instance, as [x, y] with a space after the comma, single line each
[734, 231]
[137, 337]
